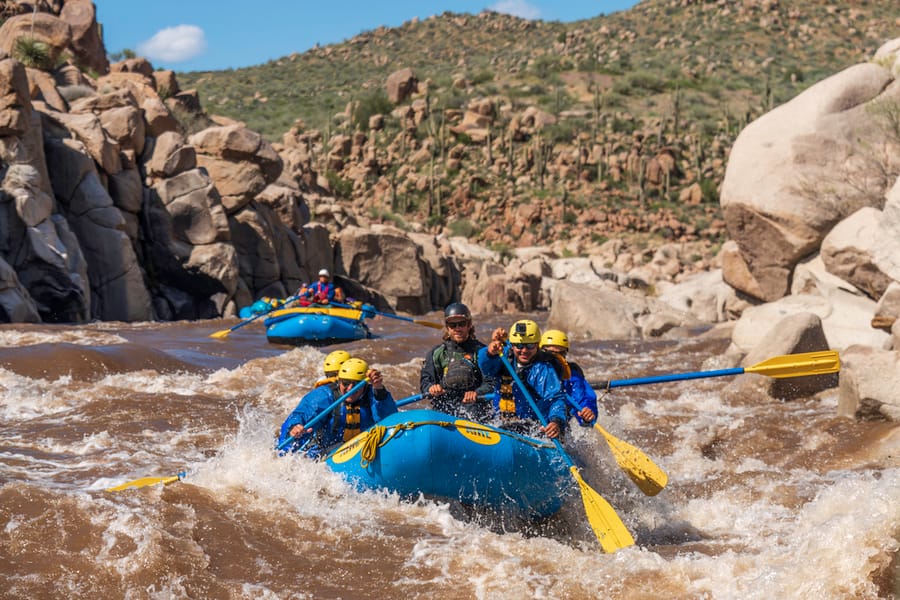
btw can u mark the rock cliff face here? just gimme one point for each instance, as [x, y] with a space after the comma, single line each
[109, 210]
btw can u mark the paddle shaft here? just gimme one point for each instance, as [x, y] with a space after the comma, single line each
[324, 413]
[410, 400]
[400, 317]
[253, 318]
[534, 406]
[821, 362]
[372, 310]
[670, 377]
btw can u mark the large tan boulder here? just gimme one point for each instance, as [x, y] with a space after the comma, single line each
[42, 86]
[239, 160]
[887, 254]
[41, 26]
[849, 249]
[168, 155]
[88, 129]
[444, 274]
[845, 316]
[33, 204]
[193, 202]
[595, 312]
[786, 183]
[869, 380]
[15, 99]
[795, 333]
[385, 259]
[400, 85]
[87, 42]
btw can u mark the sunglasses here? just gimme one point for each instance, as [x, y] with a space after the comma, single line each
[457, 324]
[530, 346]
[347, 383]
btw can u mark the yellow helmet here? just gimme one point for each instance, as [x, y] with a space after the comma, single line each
[353, 369]
[524, 332]
[555, 337]
[334, 361]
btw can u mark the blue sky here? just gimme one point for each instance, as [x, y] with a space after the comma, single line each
[201, 35]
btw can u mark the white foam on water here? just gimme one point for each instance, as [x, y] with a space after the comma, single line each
[24, 398]
[78, 336]
[826, 549]
[153, 382]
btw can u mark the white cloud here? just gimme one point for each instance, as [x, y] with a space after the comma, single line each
[517, 8]
[174, 44]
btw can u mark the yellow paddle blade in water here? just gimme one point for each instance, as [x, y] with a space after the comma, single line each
[145, 481]
[608, 527]
[643, 472]
[798, 365]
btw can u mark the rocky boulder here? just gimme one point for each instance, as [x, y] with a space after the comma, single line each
[789, 176]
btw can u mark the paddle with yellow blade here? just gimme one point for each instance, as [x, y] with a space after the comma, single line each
[224, 332]
[370, 309]
[821, 362]
[643, 472]
[608, 527]
[647, 475]
[145, 481]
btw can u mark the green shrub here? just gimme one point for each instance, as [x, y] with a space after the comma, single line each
[463, 228]
[190, 122]
[710, 191]
[342, 188]
[33, 53]
[374, 103]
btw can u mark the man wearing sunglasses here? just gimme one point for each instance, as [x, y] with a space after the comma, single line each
[536, 370]
[359, 411]
[450, 373]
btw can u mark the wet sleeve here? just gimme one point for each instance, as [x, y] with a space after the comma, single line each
[383, 404]
[491, 366]
[550, 388]
[584, 396]
[428, 376]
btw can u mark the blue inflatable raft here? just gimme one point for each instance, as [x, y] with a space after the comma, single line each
[263, 305]
[317, 325]
[435, 454]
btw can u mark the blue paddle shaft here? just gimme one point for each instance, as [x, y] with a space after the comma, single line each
[534, 406]
[675, 377]
[324, 413]
[409, 400]
[375, 312]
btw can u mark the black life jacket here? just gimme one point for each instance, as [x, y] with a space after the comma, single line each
[459, 370]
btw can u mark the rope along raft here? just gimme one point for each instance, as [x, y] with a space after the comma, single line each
[375, 438]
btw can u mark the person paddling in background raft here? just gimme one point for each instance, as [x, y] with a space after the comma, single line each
[321, 291]
[536, 369]
[556, 342]
[450, 373]
[364, 408]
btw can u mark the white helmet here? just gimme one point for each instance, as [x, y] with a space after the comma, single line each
[324, 272]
